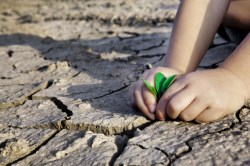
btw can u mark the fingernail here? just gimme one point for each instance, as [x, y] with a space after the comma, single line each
[160, 116]
[152, 108]
[152, 116]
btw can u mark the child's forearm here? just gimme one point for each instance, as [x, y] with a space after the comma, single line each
[239, 64]
[195, 26]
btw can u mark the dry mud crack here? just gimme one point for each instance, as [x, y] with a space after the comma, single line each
[66, 72]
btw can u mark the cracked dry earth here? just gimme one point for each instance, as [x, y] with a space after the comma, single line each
[66, 70]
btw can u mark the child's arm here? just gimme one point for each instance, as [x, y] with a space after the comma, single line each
[195, 26]
[208, 95]
[238, 63]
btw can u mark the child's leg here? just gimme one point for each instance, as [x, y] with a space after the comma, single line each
[236, 23]
[238, 15]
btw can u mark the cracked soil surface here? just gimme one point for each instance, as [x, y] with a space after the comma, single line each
[66, 72]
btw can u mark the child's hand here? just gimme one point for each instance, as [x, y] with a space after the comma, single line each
[203, 96]
[142, 98]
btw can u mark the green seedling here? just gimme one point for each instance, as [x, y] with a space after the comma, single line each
[150, 87]
[161, 84]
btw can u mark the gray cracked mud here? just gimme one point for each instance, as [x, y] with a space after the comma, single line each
[67, 66]
[17, 143]
[76, 147]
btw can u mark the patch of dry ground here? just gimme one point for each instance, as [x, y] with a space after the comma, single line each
[66, 69]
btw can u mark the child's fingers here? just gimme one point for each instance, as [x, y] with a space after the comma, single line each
[140, 101]
[174, 88]
[132, 99]
[179, 102]
[193, 110]
[133, 103]
[161, 109]
[209, 115]
[149, 98]
[135, 87]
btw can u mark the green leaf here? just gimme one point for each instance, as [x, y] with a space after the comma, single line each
[150, 87]
[168, 82]
[161, 83]
[159, 80]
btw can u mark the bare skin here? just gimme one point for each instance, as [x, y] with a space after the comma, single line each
[207, 95]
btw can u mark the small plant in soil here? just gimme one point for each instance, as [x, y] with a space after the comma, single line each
[161, 84]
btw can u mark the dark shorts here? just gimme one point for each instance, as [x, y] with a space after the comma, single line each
[232, 35]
